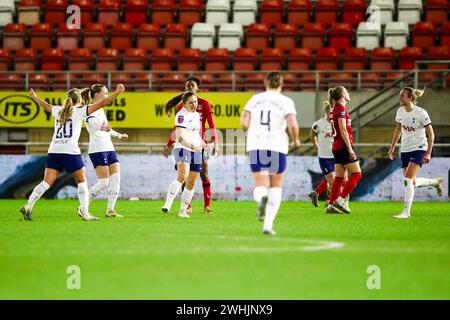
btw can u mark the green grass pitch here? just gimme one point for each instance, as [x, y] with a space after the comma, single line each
[148, 255]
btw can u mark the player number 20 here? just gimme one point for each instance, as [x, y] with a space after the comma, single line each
[64, 130]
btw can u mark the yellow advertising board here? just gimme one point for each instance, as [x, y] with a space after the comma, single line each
[129, 110]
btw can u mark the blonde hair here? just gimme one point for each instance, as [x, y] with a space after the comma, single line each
[414, 93]
[73, 97]
[334, 95]
[327, 107]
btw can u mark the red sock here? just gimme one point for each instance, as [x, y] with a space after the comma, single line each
[322, 187]
[336, 189]
[189, 205]
[351, 184]
[207, 193]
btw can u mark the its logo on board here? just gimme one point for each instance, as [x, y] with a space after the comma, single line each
[18, 109]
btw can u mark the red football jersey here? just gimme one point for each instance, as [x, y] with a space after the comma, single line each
[205, 110]
[337, 112]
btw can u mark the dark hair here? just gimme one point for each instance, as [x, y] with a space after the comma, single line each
[88, 94]
[193, 78]
[182, 97]
[274, 79]
[414, 93]
[73, 97]
[335, 94]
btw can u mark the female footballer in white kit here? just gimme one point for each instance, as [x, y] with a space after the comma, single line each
[101, 150]
[414, 126]
[64, 152]
[188, 151]
[266, 116]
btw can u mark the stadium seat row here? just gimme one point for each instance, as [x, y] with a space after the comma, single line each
[244, 12]
[231, 36]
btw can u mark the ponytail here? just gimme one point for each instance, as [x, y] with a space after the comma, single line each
[327, 107]
[66, 111]
[335, 94]
[414, 93]
[172, 103]
[86, 96]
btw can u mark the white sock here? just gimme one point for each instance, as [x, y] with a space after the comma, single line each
[174, 188]
[259, 193]
[424, 182]
[101, 185]
[186, 198]
[409, 195]
[273, 204]
[37, 193]
[113, 193]
[83, 196]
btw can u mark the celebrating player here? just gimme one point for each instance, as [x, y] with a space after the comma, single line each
[322, 140]
[64, 152]
[101, 150]
[266, 116]
[414, 126]
[346, 160]
[188, 151]
[206, 115]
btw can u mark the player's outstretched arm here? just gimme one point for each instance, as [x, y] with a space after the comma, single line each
[117, 135]
[44, 104]
[104, 102]
[395, 138]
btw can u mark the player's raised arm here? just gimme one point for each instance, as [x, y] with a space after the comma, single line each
[44, 104]
[104, 102]
[395, 138]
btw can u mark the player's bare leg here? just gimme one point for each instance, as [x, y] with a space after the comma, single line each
[50, 176]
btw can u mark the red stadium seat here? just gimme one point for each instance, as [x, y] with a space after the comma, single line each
[124, 78]
[80, 59]
[208, 82]
[5, 59]
[313, 36]
[86, 10]
[340, 36]
[173, 82]
[136, 11]
[436, 53]
[11, 82]
[38, 81]
[25, 60]
[424, 34]
[148, 36]
[271, 12]
[354, 59]
[121, 36]
[176, 35]
[244, 59]
[298, 12]
[107, 59]
[190, 11]
[436, 11]
[327, 59]
[55, 11]
[217, 59]
[63, 81]
[299, 59]
[258, 36]
[408, 56]
[225, 82]
[52, 60]
[163, 11]
[354, 12]
[89, 79]
[67, 38]
[134, 59]
[29, 11]
[326, 11]
[382, 59]
[108, 12]
[286, 36]
[143, 81]
[41, 36]
[290, 82]
[189, 59]
[445, 34]
[272, 59]
[162, 59]
[94, 36]
[255, 82]
[14, 36]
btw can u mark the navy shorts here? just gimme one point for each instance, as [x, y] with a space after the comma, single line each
[195, 159]
[60, 161]
[263, 160]
[327, 165]
[342, 156]
[413, 156]
[106, 158]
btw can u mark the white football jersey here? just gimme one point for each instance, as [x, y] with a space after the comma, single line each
[413, 125]
[322, 128]
[191, 122]
[65, 138]
[99, 141]
[267, 129]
